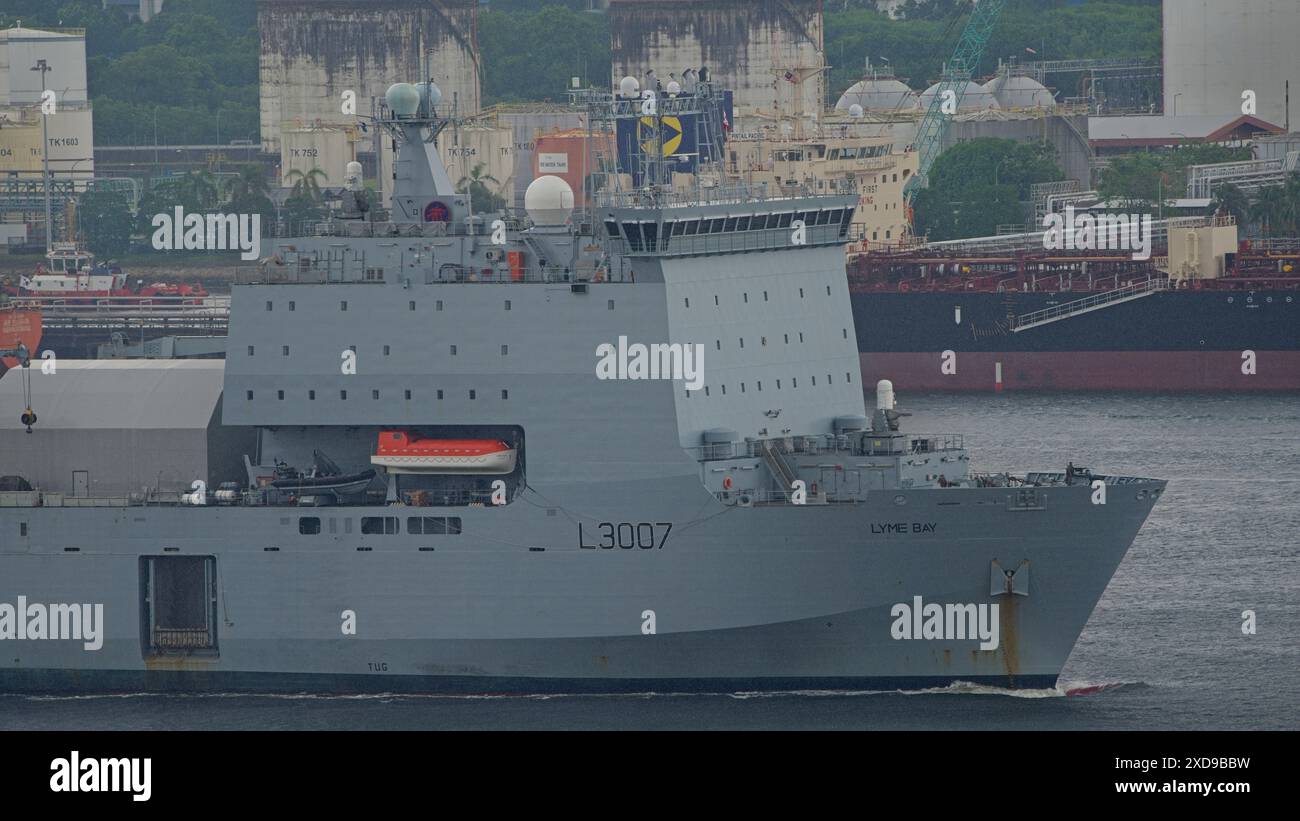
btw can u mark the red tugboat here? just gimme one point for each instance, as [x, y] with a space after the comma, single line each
[71, 273]
[399, 452]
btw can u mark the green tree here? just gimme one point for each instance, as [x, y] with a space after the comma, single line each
[576, 44]
[105, 221]
[251, 181]
[163, 197]
[977, 185]
[304, 184]
[482, 199]
[1231, 201]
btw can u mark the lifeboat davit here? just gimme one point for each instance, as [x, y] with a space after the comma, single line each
[399, 452]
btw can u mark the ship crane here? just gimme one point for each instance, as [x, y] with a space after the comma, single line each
[24, 357]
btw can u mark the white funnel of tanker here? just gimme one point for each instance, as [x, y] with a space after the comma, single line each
[884, 395]
[352, 176]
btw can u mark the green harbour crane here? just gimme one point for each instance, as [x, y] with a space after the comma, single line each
[952, 87]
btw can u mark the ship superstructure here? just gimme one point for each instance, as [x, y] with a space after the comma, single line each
[682, 489]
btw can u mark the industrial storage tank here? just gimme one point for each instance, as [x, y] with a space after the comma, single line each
[567, 155]
[975, 98]
[326, 147]
[879, 94]
[1214, 52]
[1018, 92]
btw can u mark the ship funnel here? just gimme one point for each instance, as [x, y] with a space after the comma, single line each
[885, 395]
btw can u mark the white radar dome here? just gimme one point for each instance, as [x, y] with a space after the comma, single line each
[352, 176]
[855, 110]
[674, 87]
[429, 93]
[549, 201]
[629, 87]
[403, 99]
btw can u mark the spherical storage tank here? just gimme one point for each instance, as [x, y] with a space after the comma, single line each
[1019, 92]
[975, 98]
[885, 94]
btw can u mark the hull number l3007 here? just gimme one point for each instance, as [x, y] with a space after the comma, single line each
[627, 535]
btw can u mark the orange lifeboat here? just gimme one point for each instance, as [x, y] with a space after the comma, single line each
[399, 452]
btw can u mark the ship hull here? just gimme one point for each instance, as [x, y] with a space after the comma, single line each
[773, 597]
[1186, 341]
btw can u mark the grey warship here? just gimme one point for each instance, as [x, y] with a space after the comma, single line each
[549, 455]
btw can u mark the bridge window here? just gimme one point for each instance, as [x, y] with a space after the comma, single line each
[433, 525]
[729, 225]
[692, 227]
[650, 232]
[378, 525]
[308, 525]
[742, 223]
[633, 232]
[611, 228]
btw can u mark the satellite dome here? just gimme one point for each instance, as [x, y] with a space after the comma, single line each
[403, 99]
[974, 98]
[1019, 92]
[879, 94]
[430, 94]
[629, 87]
[674, 88]
[549, 200]
[352, 176]
[855, 110]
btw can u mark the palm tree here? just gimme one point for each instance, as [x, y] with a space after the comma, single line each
[201, 186]
[475, 175]
[250, 182]
[475, 184]
[1232, 201]
[1272, 210]
[305, 184]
